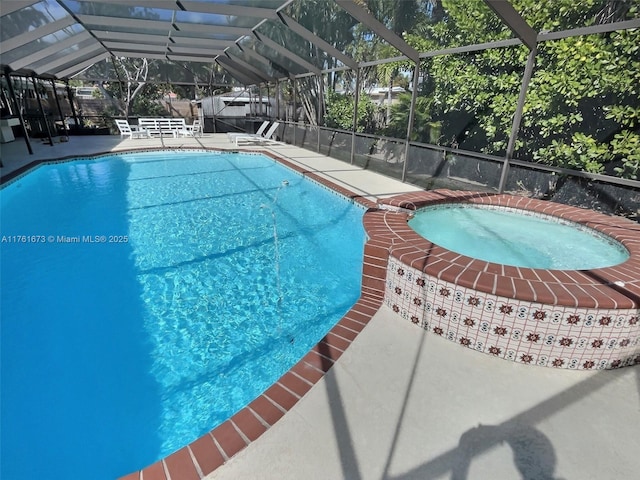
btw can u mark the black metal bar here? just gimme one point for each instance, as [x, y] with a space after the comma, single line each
[517, 117]
[5, 100]
[286, 53]
[73, 108]
[268, 106]
[412, 116]
[55, 93]
[354, 129]
[295, 111]
[318, 106]
[240, 63]
[277, 100]
[12, 93]
[368, 20]
[317, 41]
[512, 19]
[44, 117]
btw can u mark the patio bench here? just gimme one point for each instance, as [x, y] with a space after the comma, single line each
[163, 126]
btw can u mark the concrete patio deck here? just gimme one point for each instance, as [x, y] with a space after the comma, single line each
[401, 403]
[404, 404]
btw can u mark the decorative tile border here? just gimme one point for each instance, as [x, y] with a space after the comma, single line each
[563, 319]
[520, 331]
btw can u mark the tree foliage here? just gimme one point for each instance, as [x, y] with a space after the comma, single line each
[582, 107]
[132, 95]
[340, 112]
[425, 129]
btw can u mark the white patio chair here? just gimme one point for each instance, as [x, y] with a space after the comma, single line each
[127, 131]
[194, 129]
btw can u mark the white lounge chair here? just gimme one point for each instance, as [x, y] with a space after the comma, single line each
[194, 129]
[266, 138]
[127, 131]
[233, 135]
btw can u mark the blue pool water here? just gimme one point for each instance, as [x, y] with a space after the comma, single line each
[147, 297]
[516, 239]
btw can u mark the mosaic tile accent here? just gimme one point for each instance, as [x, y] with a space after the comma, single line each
[520, 331]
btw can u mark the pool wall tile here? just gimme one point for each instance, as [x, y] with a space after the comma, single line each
[358, 317]
[250, 426]
[228, 439]
[327, 350]
[206, 454]
[180, 465]
[266, 410]
[154, 472]
[336, 341]
[344, 332]
[369, 305]
[374, 269]
[281, 396]
[318, 361]
[294, 384]
[307, 372]
[351, 324]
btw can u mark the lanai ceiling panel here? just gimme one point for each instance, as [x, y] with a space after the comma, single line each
[260, 40]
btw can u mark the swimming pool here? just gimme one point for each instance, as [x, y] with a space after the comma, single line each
[134, 287]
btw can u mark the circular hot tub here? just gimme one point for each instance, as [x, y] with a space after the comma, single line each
[580, 316]
[520, 238]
